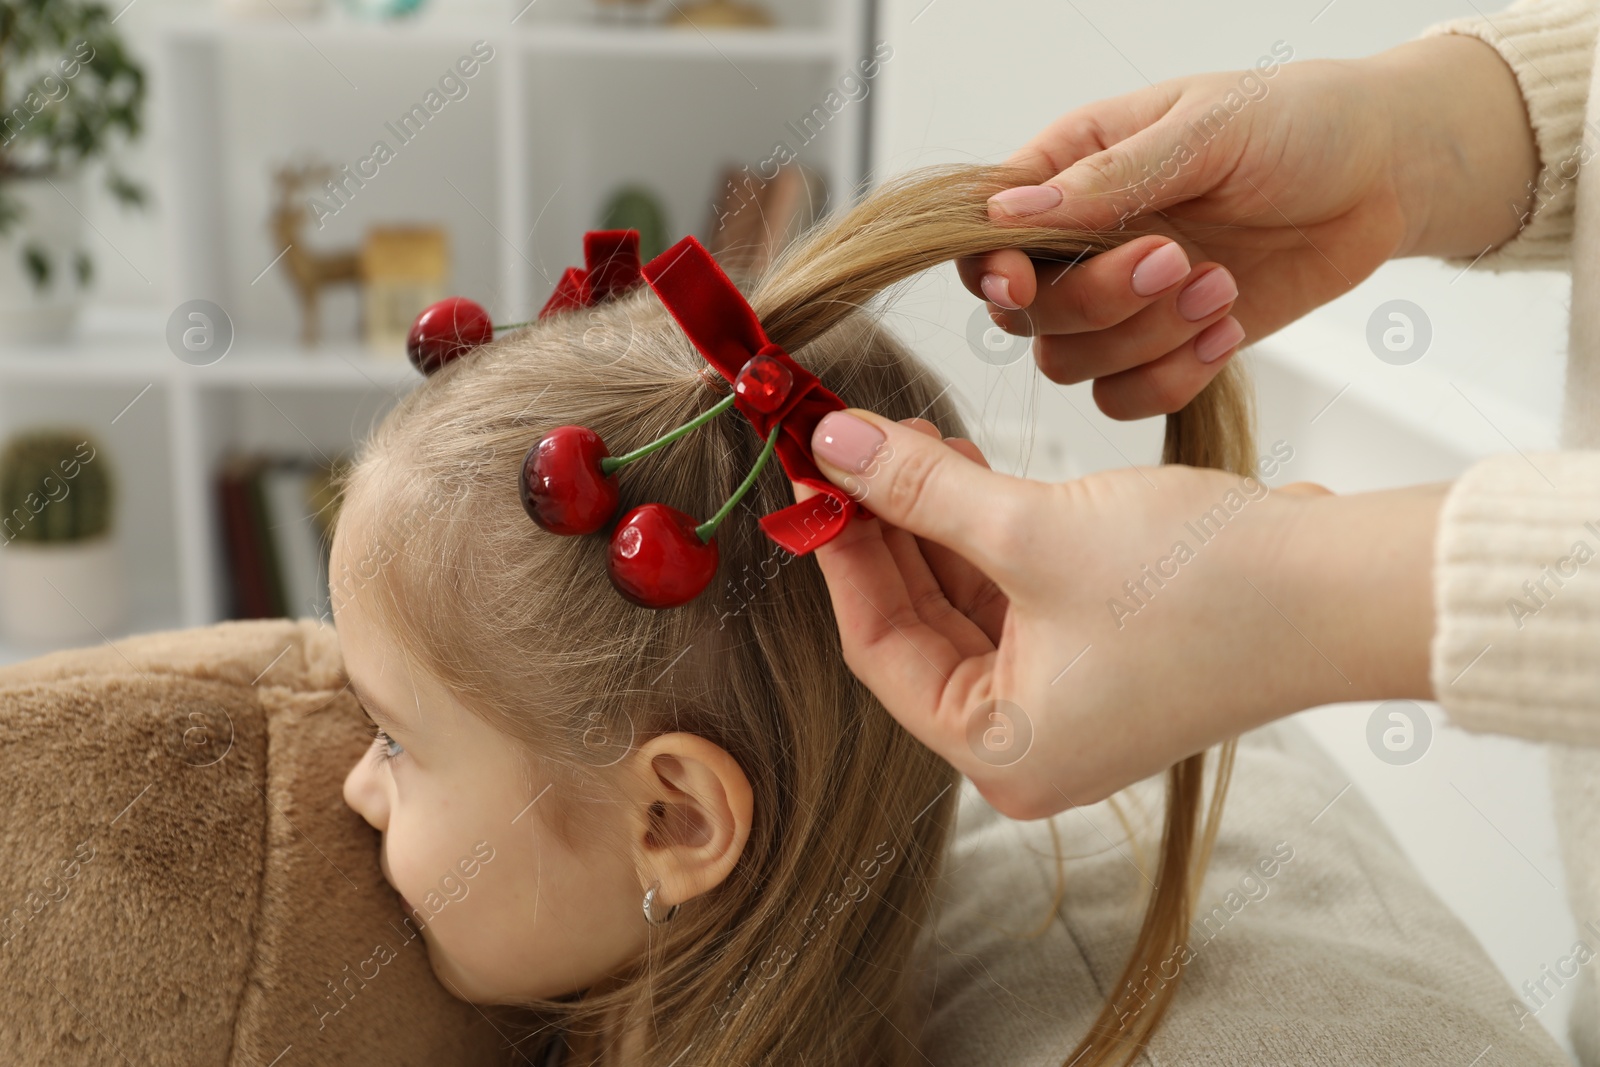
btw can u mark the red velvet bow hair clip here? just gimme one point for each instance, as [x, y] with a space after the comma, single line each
[611, 266]
[660, 557]
[455, 326]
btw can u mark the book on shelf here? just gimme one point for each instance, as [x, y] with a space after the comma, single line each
[276, 516]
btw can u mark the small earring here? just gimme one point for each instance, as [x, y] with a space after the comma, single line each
[649, 907]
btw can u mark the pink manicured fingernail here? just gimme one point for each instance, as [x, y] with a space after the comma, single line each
[1206, 294]
[1217, 338]
[997, 289]
[1165, 266]
[846, 441]
[1026, 199]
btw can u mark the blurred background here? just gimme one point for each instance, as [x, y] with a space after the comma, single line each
[218, 218]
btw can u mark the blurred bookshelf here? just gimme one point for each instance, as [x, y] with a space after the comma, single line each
[283, 413]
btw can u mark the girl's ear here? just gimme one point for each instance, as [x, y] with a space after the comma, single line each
[690, 817]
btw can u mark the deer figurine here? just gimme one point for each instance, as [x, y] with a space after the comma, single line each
[309, 270]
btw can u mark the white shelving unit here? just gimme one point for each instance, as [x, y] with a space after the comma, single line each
[566, 111]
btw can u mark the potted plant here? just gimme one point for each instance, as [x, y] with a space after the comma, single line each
[61, 578]
[68, 92]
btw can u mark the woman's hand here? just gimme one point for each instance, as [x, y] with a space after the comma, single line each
[1058, 642]
[1265, 193]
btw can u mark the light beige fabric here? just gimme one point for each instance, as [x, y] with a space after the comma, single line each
[1575, 778]
[1517, 586]
[1340, 955]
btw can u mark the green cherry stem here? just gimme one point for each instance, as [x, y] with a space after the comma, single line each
[611, 463]
[511, 325]
[708, 529]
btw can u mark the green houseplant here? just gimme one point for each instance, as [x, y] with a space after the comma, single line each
[69, 92]
[61, 578]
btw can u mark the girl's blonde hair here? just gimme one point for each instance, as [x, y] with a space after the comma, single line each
[805, 953]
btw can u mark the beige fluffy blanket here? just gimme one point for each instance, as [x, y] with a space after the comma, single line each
[181, 882]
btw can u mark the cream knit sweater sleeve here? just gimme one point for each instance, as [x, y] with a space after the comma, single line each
[1516, 645]
[1549, 45]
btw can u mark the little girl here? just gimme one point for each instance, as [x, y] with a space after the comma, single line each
[679, 836]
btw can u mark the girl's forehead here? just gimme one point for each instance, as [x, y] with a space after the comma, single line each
[356, 554]
[349, 524]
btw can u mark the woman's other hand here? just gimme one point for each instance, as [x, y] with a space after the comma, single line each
[1058, 642]
[1259, 195]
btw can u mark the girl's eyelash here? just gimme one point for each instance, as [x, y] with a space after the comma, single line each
[384, 753]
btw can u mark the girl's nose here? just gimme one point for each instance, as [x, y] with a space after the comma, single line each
[364, 792]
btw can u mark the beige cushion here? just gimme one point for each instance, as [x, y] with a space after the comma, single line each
[1342, 956]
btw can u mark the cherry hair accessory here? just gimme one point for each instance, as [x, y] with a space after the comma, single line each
[769, 387]
[658, 556]
[452, 327]
[455, 326]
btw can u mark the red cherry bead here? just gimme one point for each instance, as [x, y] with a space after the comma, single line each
[657, 560]
[562, 486]
[764, 383]
[452, 327]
